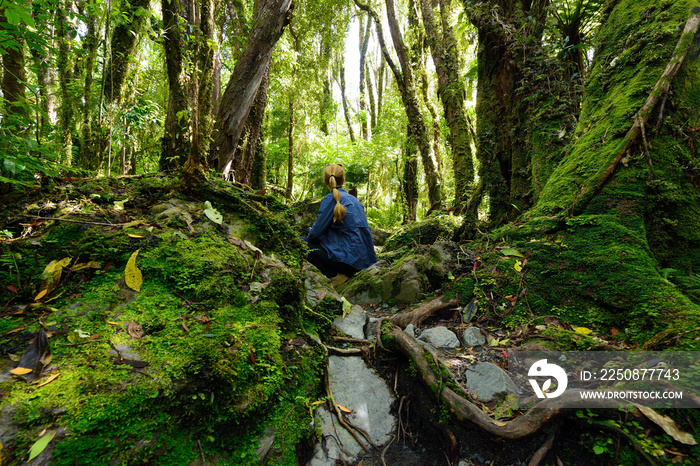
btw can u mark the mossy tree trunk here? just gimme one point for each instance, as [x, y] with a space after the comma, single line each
[88, 155]
[626, 198]
[346, 110]
[65, 76]
[452, 95]
[193, 171]
[364, 43]
[124, 41]
[508, 30]
[175, 145]
[409, 182]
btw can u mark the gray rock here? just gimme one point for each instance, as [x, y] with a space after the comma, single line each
[266, 442]
[411, 330]
[440, 337]
[8, 428]
[489, 382]
[473, 337]
[317, 286]
[126, 352]
[359, 388]
[353, 324]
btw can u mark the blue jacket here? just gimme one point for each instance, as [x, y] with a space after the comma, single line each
[348, 241]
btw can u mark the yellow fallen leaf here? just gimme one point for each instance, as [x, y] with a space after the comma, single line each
[41, 294]
[583, 330]
[112, 323]
[21, 370]
[94, 265]
[132, 274]
[49, 380]
[518, 266]
[499, 423]
[343, 409]
[135, 236]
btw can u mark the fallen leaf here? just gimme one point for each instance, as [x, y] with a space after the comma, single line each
[135, 236]
[132, 274]
[41, 294]
[252, 356]
[32, 357]
[49, 380]
[40, 445]
[614, 332]
[185, 327]
[12, 288]
[212, 214]
[15, 330]
[344, 409]
[518, 266]
[13, 357]
[511, 252]
[667, 424]
[112, 323]
[21, 370]
[347, 307]
[583, 330]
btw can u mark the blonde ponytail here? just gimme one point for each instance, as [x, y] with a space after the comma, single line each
[334, 177]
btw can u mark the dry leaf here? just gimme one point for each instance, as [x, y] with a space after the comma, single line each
[135, 236]
[185, 327]
[49, 380]
[132, 274]
[344, 409]
[21, 370]
[41, 294]
[112, 323]
[667, 424]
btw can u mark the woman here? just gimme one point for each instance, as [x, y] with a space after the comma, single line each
[339, 241]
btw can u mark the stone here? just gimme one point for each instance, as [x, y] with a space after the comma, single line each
[358, 388]
[411, 330]
[317, 286]
[353, 324]
[489, 382]
[440, 336]
[473, 337]
[266, 442]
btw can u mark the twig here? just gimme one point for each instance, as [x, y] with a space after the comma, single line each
[78, 221]
[204, 462]
[646, 146]
[543, 450]
[393, 437]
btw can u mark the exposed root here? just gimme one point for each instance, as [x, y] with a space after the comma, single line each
[541, 452]
[417, 316]
[464, 410]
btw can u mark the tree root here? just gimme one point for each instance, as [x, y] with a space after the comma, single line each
[417, 316]
[464, 410]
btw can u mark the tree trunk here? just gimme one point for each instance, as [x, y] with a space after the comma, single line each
[258, 176]
[364, 42]
[244, 164]
[175, 145]
[245, 80]
[381, 71]
[503, 27]
[193, 171]
[124, 41]
[346, 111]
[88, 156]
[290, 151]
[65, 76]
[372, 104]
[14, 79]
[407, 90]
[625, 198]
[409, 183]
[452, 95]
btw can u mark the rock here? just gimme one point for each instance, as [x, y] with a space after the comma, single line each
[379, 237]
[353, 324]
[358, 388]
[411, 330]
[266, 442]
[403, 283]
[440, 337]
[489, 382]
[317, 286]
[8, 428]
[126, 352]
[473, 337]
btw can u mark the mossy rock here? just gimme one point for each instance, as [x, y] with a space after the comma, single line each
[425, 232]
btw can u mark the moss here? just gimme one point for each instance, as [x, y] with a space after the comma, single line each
[424, 232]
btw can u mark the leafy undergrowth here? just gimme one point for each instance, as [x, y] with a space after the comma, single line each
[175, 325]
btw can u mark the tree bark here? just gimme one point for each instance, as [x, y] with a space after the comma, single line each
[504, 27]
[372, 104]
[452, 95]
[245, 80]
[409, 182]
[175, 145]
[364, 42]
[290, 152]
[124, 41]
[88, 154]
[244, 165]
[346, 111]
[65, 75]
[193, 171]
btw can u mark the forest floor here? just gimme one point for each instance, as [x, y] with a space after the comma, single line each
[218, 312]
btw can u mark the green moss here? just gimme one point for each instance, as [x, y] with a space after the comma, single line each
[424, 232]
